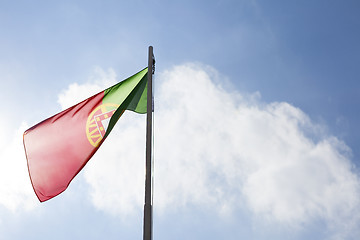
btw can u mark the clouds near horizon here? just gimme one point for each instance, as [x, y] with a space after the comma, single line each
[218, 149]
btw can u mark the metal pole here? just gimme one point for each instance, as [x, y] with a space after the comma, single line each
[147, 232]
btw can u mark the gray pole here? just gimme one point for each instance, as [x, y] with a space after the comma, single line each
[147, 232]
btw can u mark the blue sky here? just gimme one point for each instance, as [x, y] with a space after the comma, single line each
[256, 133]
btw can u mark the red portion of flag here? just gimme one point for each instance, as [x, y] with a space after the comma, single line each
[53, 158]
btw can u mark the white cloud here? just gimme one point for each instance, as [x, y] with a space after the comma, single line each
[223, 150]
[116, 172]
[15, 188]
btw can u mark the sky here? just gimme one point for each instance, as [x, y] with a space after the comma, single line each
[255, 122]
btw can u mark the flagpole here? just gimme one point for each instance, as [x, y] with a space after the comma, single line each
[147, 232]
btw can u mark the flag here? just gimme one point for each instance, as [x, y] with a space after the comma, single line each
[59, 147]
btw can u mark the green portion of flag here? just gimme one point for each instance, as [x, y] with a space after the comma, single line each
[135, 101]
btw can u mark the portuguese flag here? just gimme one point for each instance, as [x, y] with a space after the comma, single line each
[59, 147]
